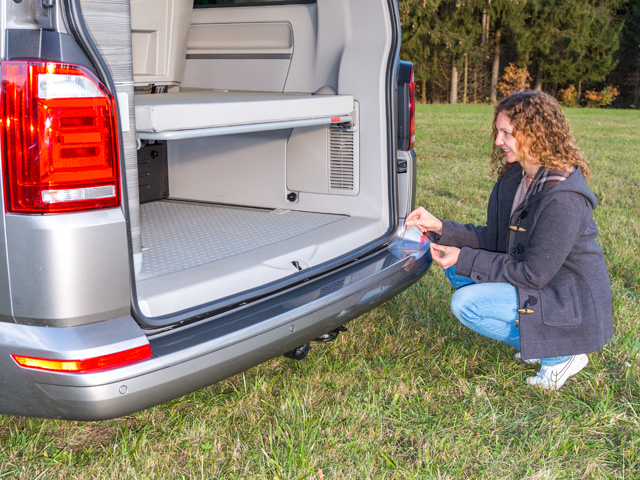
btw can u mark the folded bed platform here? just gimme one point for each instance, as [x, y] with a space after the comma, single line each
[174, 116]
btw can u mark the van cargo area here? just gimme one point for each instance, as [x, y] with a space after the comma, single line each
[261, 149]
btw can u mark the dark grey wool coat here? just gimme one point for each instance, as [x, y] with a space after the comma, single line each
[556, 265]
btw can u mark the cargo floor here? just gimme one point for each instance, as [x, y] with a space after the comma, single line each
[196, 253]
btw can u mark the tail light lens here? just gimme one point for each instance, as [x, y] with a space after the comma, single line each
[59, 139]
[406, 107]
[412, 111]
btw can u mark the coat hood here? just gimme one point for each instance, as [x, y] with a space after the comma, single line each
[575, 183]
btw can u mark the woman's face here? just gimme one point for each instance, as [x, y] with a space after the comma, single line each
[505, 139]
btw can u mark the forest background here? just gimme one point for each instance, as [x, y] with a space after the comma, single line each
[584, 52]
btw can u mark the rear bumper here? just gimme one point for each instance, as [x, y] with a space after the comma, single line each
[203, 353]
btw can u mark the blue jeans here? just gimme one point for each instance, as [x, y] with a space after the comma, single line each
[489, 309]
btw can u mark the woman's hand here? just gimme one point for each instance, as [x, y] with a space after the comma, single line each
[444, 256]
[424, 220]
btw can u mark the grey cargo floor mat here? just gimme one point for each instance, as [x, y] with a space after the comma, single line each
[198, 253]
[181, 235]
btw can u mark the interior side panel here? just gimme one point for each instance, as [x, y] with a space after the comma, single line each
[243, 169]
[232, 55]
[319, 35]
[246, 48]
[260, 170]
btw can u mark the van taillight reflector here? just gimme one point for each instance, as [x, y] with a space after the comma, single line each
[87, 365]
[59, 139]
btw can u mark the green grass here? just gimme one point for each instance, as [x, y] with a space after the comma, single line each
[407, 392]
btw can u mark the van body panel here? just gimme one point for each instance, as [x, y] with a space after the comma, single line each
[204, 352]
[68, 269]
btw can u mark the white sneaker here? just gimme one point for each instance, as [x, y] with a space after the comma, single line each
[531, 361]
[552, 378]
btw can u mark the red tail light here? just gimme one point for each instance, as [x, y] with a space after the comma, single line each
[87, 365]
[406, 107]
[59, 139]
[412, 111]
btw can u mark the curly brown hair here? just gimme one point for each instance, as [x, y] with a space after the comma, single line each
[541, 132]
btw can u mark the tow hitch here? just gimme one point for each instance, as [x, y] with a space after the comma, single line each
[330, 336]
[302, 351]
[298, 353]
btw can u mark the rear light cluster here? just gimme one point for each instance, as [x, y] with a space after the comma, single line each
[87, 365]
[406, 107]
[412, 110]
[59, 139]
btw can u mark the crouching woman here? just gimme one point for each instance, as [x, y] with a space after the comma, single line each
[534, 276]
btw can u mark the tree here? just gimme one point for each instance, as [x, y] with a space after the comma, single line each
[627, 72]
[417, 18]
[456, 33]
[506, 17]
[560, 42]
[514, 79]
[569, 41]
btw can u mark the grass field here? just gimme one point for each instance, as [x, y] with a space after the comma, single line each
[407, 392]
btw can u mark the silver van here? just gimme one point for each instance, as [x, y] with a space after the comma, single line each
[193, 188]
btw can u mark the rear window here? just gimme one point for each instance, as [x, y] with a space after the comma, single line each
[246, 3]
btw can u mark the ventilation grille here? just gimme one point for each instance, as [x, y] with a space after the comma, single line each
[342, 172]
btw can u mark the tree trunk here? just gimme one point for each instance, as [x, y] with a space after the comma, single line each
[579, 91]
[537, 84]
[484, 26]
[496, 68]
[453, 97]
[466, 74]
[424, 91]
[475, 85]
